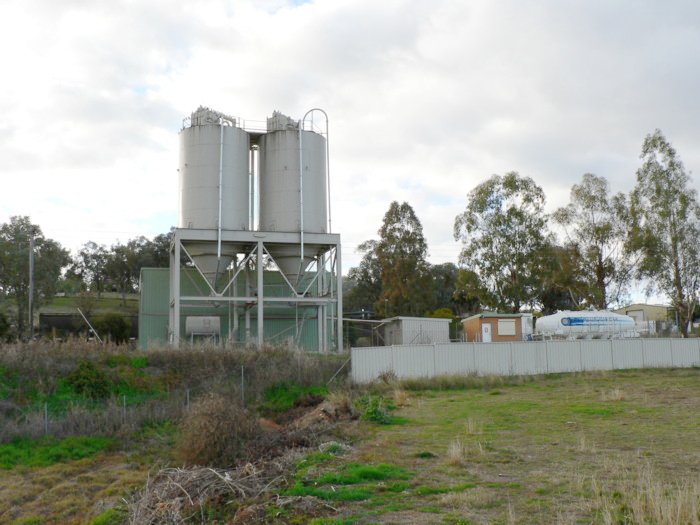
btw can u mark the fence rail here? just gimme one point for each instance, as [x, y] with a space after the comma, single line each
[522, 358]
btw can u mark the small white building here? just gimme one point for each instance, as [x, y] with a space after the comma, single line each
[415, 330]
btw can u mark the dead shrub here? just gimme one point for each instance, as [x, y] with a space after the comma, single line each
[216, 432]
[456, 452]
[401, 398]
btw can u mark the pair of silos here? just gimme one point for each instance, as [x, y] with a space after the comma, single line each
[216, 185]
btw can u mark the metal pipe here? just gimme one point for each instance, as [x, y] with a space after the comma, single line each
[301, 199]
[328, 167]
[339, 304]
[261, 294]
[222, 122]
[31, 288]
[221, 195]
[88, 323]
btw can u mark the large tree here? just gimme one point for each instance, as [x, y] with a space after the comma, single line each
[49, 259]
[503, 232]
[401, 253]
[468, 295]
[665, 218]
[564, 282]
[394, 272]
[91, 266]
[444, 279]
[596, 227]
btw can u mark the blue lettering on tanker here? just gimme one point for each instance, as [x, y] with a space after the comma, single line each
[592, 321]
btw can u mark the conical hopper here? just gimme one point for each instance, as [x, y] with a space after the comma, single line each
[290, 263]
[209, 263]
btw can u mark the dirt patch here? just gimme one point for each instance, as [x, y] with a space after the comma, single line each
[301, 407]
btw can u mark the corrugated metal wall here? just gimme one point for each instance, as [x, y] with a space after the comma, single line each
[423, 331]
[282, 323]
[522, 358]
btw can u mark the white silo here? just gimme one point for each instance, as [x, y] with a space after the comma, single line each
[214, 185]
[292, 199]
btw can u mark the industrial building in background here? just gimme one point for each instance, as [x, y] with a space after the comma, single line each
[496, 327]
[253, 259]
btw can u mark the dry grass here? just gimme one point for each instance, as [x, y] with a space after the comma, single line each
[473, 427]
[456, 452]
[177, 495]
[476, 498]
[216, 432]
[640, 497]
[400, 397]
[614, 394]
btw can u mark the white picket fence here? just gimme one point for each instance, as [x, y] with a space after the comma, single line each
[522, 358]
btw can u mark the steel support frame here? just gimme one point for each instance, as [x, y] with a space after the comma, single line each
[328, 299]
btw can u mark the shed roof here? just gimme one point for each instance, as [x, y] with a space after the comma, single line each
[404, 318]
[493, 315]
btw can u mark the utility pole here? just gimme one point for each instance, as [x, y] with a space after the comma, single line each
[31, 287]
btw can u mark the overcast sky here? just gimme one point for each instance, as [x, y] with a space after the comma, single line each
[426, 100]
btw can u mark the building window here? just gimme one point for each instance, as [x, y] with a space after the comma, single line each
[506, 327]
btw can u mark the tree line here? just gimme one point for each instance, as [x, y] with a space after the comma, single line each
[511, 259]
[94, 270]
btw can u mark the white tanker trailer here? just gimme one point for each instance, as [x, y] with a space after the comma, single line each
[587, 324]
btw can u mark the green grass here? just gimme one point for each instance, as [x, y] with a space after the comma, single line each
[427, 491]
[113, 516]
[103, 305]
[339, 494]
[282, 397]
[529, 453]
[48, 451]
[354, 473]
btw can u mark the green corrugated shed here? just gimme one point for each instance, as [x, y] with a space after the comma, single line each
[282, 323]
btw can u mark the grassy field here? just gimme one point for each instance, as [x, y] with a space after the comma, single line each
[109, 302]
[620, 447]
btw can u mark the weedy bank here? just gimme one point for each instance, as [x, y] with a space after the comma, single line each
[618, 447]
[82, 426]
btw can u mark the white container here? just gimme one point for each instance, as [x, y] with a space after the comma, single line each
[586, 325]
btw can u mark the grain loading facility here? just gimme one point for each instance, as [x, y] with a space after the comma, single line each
[225, 168]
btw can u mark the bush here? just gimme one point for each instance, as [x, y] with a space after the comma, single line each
[375, 409]
[89, 381]
[5, 327]
[216, 432]
[114, 326]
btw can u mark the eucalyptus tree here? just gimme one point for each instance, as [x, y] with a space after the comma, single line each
[90, 265]
[665, 219]
[49, 260]
[402, 253]
[503, 233]
[393, 277]
[596, 226]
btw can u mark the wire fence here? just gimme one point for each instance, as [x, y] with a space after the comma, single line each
[123, 414]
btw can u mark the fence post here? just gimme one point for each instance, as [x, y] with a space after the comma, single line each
[242, 387]
[434, 360]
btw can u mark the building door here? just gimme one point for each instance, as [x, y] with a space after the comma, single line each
[486, 332]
